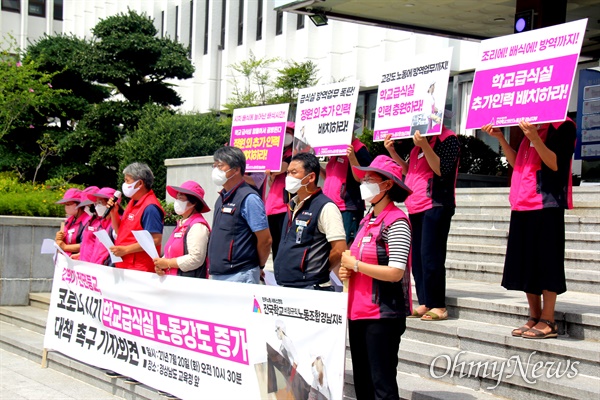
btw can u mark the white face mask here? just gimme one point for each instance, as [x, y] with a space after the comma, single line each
[100, 209]
[181, 206]
[219, 177]
[129, 189]
[88, 211]
[368, 191]
[292, 184]
[289, 139]
[71, 210]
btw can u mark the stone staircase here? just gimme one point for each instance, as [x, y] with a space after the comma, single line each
[463, 350]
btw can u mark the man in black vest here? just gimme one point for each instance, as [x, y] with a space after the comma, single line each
[240, 241]
[313, 236]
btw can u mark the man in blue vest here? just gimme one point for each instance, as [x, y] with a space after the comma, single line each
[313, 236]
[240, 241]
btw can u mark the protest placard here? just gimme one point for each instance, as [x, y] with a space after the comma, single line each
[325, 118]
[412, 95]
[260, 132]
[526, 76]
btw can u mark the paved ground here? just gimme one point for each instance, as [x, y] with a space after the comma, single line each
[22, 379]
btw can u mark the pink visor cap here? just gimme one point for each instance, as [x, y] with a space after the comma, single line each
[190, 188]
[385, 166]
[104, 193]
[72, 194]
[84, 193]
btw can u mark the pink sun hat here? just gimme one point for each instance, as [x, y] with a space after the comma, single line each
[190, 188]
[72, 194]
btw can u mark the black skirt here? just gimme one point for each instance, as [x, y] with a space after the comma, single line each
[535, 254]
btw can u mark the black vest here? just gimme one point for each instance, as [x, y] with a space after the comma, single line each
[303, 255]
[232, 244]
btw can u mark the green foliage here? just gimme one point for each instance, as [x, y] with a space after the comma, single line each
[294, 76]
[128, 55]
[171, 216]
[476, 157]
[18, 198]
[162, 134]
[258, 88]
[24, 91]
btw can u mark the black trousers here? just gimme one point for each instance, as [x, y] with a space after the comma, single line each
[430, 230]
[275, 227]
[374, 347]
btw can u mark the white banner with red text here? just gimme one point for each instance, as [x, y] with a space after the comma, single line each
[197, 338]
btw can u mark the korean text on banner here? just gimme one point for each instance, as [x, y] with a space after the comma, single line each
[325, 118]
[199, 338]
[412, 95]
[260, 133]
[526, 76]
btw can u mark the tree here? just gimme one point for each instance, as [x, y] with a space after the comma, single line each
[162, 134]
[292, 78]
[128, 56]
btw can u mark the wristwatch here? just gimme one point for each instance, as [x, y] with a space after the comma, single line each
[356, 266]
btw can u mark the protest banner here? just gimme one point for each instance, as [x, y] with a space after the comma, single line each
[325, 119]
[526, 76]
[199, 338]
[260, 132]
[412, 96]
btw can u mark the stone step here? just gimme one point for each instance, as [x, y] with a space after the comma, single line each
[574, 240]
[577, 314]
[578, 280]
[496, 207]
[28, 317]
[573, 223]
[496, 340]
[417, 357]
[574, 259]
[29, 344]
[40, 300]
[580, 194]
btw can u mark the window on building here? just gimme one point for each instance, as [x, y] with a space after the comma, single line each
[223, 11]
[162, 24]
[37, 8]
[279, 23]
[259, 20]
[11, 5]
[177, 23]
[58, 10]
[300, 21]
[240, 23]
[206, 9]
[191, 37]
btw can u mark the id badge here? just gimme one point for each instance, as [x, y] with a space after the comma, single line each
[178, 235]
[299, 231]
[366, 239]
[421, 154]
[227, 210]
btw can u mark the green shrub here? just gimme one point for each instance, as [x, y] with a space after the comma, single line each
[171, 216]
[23, 198]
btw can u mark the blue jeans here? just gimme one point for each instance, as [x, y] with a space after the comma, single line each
[251, 275]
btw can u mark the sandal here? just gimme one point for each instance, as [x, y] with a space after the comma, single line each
[537, 334]
[432, 316]
[518, 332]
[415, 314]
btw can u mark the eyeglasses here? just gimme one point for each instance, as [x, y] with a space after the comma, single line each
[369, 180]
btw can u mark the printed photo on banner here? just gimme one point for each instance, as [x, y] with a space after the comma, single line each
[412, 95]
[325, 118]
[200, 338]
[260, 132]
[526, 76]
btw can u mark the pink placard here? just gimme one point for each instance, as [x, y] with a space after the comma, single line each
[536, 91]
[262, 145]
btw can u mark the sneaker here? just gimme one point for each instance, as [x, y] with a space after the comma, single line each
[113, 374]
[131, 381]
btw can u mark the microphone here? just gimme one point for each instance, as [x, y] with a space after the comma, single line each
[115, 197]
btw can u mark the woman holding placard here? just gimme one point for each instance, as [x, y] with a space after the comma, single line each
[540, 190]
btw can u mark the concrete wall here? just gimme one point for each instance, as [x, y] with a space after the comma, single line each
[22, 268]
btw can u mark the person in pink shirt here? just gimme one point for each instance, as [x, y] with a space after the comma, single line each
[69, 238]
[540, 191]
[100, 200]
